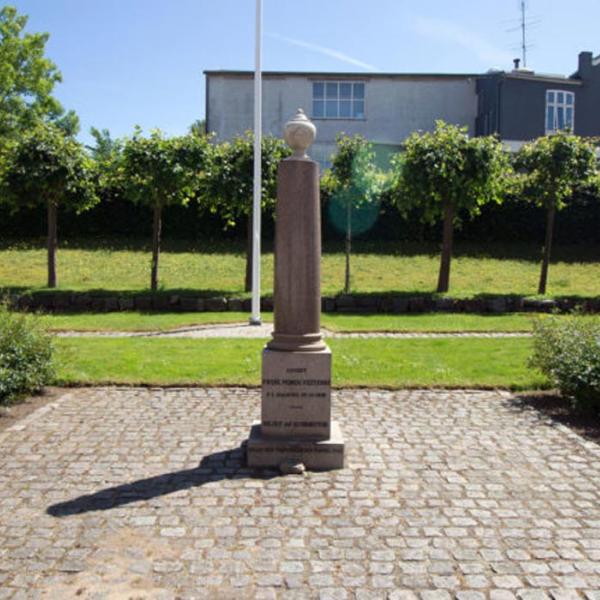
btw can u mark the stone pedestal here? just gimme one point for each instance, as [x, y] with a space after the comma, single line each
[296, 424]
[296, 421]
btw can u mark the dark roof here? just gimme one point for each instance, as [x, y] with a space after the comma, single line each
[338, 75]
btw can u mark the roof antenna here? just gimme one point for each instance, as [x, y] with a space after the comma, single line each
[525, 24]
[523, 36]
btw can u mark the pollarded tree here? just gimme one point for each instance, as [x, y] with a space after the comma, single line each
[229, 182]
[354, 184]
[157, 171]
[446, 172]
[555, 167]
[46, 166]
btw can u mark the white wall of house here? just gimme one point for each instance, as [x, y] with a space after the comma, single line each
[395, 106]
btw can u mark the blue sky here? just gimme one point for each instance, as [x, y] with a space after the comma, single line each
[128, 62]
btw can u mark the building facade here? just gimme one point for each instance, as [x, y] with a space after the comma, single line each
[518, 105]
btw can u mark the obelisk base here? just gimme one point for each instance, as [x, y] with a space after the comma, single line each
[268, 452]
[296, 421]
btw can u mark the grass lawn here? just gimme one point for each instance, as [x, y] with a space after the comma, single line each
[123, 265]
[365, 362]
[440, 322]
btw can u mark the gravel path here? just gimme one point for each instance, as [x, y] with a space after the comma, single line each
[113, 493]
[243, 330]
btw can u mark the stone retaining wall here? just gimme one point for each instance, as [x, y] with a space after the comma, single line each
[395, 304]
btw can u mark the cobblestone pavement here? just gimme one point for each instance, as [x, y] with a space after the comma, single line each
[241, 330]
[142, 493]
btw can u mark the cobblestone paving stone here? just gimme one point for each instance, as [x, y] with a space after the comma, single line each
[142, 493]
[237, 330]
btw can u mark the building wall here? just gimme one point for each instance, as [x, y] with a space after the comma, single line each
[587, 103]
[515, 106]
[394, 108]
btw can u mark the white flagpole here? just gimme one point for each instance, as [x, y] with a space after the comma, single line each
[255, 317]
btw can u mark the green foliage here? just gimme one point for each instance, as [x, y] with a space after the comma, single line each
[447, 166]
[567, 351]
[47, 166]
[27, 79]
[353, 178]
[198, 127]
[25, 355]
[229, 181]
[159, 171]
[106, 152]
[553, 168]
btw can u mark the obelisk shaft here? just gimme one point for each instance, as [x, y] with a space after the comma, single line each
[298, 258]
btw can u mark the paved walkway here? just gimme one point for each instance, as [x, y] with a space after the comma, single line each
[142, 493]
[243, 330]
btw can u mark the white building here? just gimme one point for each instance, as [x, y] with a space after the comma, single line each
[384, 108]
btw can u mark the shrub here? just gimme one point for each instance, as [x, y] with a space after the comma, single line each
[567, 351]
[25, 355]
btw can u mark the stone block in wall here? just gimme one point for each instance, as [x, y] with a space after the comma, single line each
[126, 303]
[215, 304]
[266, 304]
[191, 304]
[111, 303]
[539, 305]
[443, 304]
[416, 304]
[345, 303]
[235, 304]
[143, 302]
[385, 304]
[496, 305]
[161, 302]
[399, 305]
[369, 303]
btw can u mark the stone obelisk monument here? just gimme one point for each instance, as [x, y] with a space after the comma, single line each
[296, 426]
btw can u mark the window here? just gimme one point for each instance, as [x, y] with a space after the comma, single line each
[560, 110]
[338, 100]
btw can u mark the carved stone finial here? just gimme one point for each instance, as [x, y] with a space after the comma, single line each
[299, 133]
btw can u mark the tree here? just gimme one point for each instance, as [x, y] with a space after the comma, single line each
[106, 146]
[554, 168]
[229, 183]
[353, 184]
[48, 167]
[27, 79]
[445, 172]
[158, 172]
[198, 127]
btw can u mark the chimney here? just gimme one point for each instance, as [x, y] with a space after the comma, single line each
[517, 62]
[585, 63]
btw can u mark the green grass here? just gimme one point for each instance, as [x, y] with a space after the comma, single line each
[123, 265]
[139, 321]
[441, 322]
[365, 362]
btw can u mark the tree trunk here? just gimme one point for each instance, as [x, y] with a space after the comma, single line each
[547, 248]
[156, 231]
[249, 253]
[52, 243]
[348, 246]
[444, 276]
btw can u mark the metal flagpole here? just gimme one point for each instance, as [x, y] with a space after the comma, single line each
[255, 317]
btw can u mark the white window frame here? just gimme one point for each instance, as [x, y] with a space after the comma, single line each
[554, 104]
[338, 99]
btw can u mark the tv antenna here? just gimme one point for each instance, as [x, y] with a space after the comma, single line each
[525, 24]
